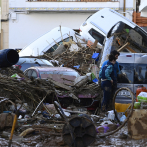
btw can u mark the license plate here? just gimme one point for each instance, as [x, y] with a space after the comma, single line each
[123, 93]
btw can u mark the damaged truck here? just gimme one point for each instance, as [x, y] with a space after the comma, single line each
[131, 42]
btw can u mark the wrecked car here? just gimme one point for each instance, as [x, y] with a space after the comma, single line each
[65, 76]
[50, 41]
[96, 25]
[131, 42]
[27, 62]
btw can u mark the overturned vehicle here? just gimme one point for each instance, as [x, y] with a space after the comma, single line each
[131, 41]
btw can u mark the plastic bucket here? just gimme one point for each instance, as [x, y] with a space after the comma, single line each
[121, 107]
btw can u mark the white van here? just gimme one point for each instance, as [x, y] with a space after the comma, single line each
[98, 25]
[132, 59]
[48, 42]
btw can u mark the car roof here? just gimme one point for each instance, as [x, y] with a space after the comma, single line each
[33, 61]
[45, 42]
[101, 18]
[44, 68]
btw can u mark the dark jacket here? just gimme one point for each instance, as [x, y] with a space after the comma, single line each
[107, 72]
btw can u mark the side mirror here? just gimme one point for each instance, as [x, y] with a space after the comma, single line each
[117, 28]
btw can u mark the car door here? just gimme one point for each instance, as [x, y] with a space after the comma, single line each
[126, 77]
[140, 69]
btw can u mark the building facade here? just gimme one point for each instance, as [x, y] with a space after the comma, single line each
[30, 19]
[4, 25]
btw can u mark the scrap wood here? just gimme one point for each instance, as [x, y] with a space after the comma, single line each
[50, 133]
[73, 96]
[74, 111]
[61, 34]
[131, 50]
[61, 85]
[50, 45]
[41, 102]
[89, 44]
[123, 47]
[95, 43]
[27, 131]
[25, 90]
[61, 48]
[68, 44]
[49, 127]
[80, 57]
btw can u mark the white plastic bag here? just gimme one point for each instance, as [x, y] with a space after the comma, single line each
[111, 115]
[122, 119]
[143, 94]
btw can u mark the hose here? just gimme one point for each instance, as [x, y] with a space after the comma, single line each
[130, 113]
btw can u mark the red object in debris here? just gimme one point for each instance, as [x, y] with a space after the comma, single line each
[19, 66]
[140, 89]
[89, 43]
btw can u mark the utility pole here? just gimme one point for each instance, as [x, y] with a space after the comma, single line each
[124, 7]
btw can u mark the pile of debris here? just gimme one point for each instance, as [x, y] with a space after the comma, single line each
[9, 71]
[27, 96]
[32, 100]
[33, 90]
[73, 55]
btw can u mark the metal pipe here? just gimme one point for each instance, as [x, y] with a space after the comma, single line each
[124, 7]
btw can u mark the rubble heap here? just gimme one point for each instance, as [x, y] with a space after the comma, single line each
[33, 90]
[70, 57]
[30, 91]
[9, 71]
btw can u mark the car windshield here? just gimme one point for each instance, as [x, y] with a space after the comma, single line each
[68, 73]
[53, 48]
[126, 74]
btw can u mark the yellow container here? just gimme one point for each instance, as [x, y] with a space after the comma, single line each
[121, 107]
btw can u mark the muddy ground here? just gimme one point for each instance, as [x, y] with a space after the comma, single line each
[47, 140]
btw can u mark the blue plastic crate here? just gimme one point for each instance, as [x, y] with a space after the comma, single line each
[95, 56]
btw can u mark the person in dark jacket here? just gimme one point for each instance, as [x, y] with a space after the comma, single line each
[116, 65]
[116, 72]
[108, 78]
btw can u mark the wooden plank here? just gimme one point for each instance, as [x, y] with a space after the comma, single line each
[134, 17]
[141, 21]
[123, 47]
[131, 50]
[95, 43]
[61, 85]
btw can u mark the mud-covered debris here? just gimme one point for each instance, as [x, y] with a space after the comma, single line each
[9, 71]
[74, 56]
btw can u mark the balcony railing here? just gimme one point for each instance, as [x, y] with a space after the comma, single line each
[72, 0]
